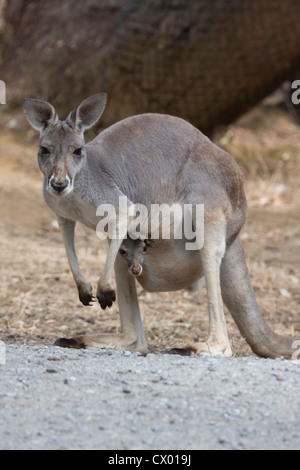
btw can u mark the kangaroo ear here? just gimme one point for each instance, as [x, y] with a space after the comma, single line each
[88, 113]
[40, 114]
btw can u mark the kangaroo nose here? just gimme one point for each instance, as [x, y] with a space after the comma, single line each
[136, 270]
[59, 186]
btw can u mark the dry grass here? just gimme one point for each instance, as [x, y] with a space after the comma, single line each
[38, 300]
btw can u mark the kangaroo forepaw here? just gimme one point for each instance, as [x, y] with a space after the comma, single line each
[86, 295]
[106, 298]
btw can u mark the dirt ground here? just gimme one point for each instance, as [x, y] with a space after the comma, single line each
[38, 298]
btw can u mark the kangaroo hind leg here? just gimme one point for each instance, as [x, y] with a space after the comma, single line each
[131, 336]
[212, 254]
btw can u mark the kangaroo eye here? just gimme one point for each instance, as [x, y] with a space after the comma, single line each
[144, 249]
[78, 152]
[122, 252]
[45, 151]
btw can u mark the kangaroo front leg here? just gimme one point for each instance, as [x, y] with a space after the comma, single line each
[67, 228]
[105, 293]
[211, 255]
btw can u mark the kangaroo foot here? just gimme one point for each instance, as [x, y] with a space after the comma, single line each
[116, 341]
[104, 341]
[214, 349]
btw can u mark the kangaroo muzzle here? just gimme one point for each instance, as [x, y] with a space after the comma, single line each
[60, 185]
[136, 270]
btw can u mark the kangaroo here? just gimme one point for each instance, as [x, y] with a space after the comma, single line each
[153, 159]
[133, 253]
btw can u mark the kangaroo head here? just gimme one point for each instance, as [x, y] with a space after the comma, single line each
[133, 252]
[62, 147]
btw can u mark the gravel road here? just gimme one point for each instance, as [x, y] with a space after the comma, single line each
[52, 398]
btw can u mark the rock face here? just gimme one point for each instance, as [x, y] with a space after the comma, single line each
[207, 61]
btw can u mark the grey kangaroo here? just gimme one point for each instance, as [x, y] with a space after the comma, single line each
[153, 159]
[133, 253]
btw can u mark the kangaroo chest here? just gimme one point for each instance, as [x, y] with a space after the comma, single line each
[72, 207]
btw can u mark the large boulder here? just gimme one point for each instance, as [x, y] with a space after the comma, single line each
[207, 61]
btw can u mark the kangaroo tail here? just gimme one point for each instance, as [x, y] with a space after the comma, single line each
[238, 296]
